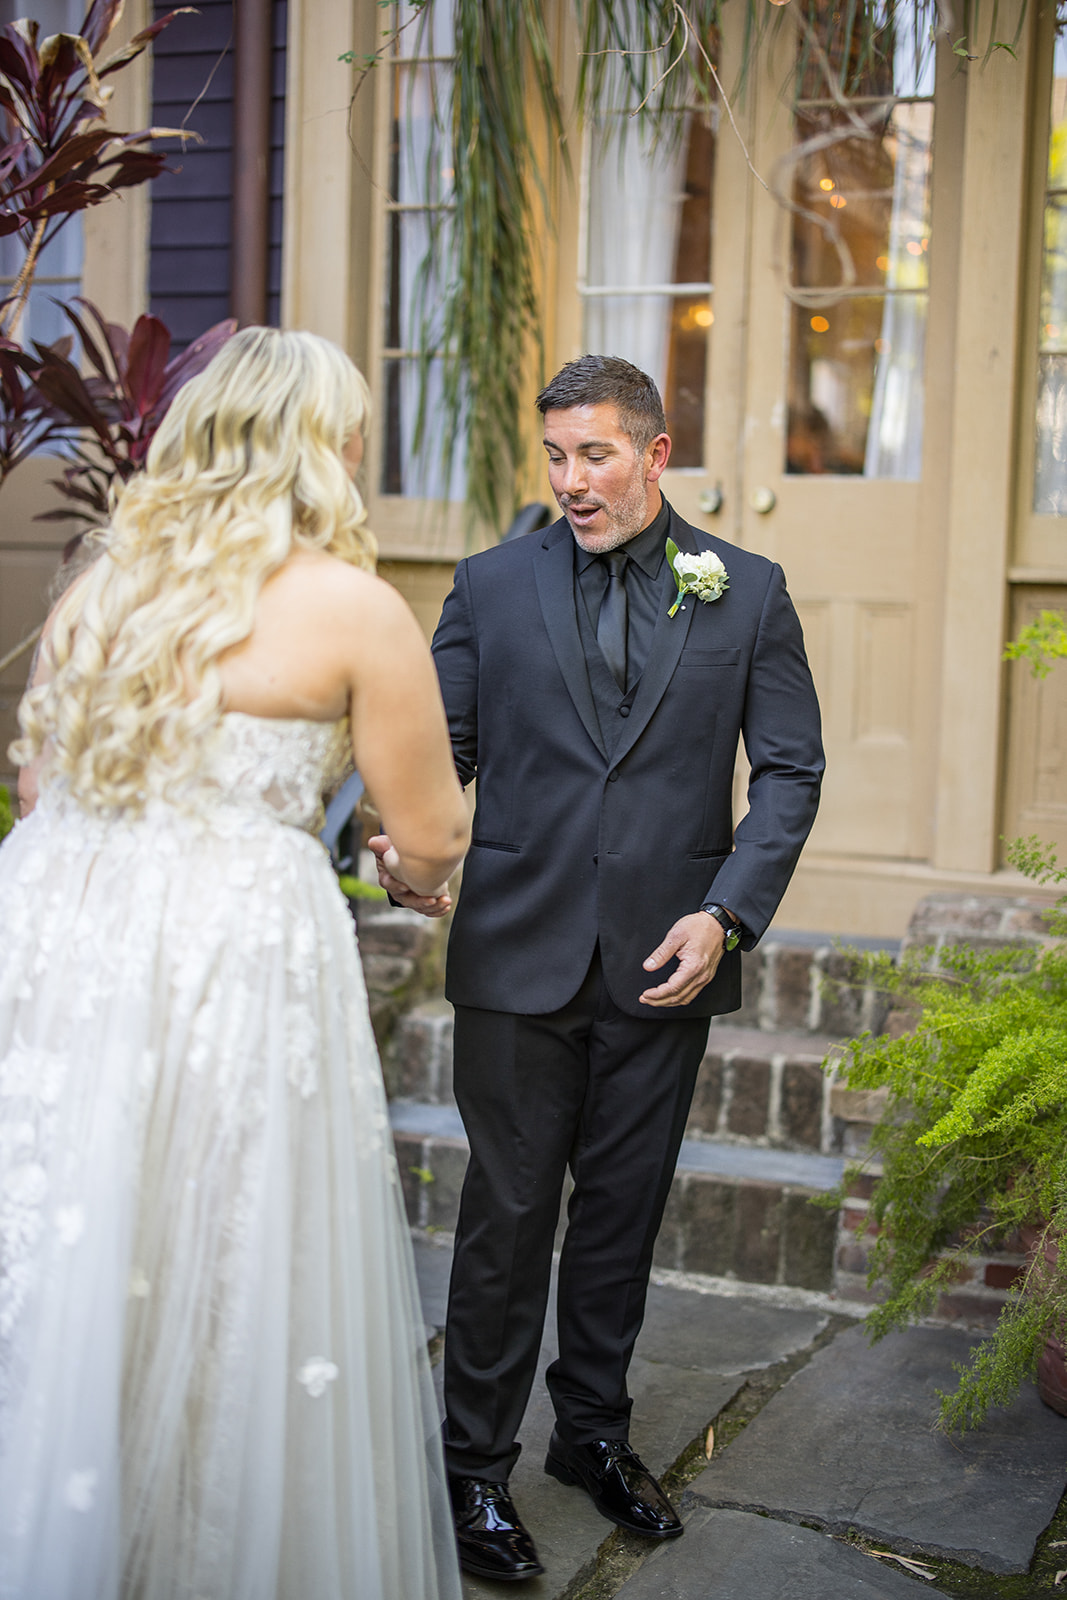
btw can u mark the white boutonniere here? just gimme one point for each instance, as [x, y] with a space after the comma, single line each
[703, 575]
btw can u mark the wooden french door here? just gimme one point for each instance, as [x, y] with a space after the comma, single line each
[815, 346]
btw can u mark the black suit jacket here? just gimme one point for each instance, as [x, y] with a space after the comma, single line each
[574, 842]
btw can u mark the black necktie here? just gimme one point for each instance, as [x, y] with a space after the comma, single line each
[611, 622]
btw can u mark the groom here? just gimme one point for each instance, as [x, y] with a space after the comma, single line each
[603, 904]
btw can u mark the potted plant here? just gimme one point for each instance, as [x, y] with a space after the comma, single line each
[972, 1144]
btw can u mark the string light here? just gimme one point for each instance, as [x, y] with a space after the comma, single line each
[820, 325]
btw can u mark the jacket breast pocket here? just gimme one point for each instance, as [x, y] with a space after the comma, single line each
[701, 659]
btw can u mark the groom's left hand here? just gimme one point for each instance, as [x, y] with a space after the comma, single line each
[697, 940]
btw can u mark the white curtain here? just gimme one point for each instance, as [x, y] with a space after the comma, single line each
[636, 191]
[895, 433]
[424, 178]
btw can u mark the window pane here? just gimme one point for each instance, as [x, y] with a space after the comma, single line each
[872, 194]
[423, 474]
[419, 256]
[901, 63]
[855, 387]
[1050, 455]
[861, 190]
[649, 226]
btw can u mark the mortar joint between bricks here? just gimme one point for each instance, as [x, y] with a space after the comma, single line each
[815, 987]
[774, 1098]
[826, 1129]
[767, 1009]
[726, 1097]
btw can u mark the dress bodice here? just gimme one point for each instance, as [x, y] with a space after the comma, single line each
[279, 766]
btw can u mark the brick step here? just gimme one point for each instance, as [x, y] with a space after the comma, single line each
[802, 982]
[734, 1211]
[755, 1088]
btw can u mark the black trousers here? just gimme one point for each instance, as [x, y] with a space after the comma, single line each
[607, 1095]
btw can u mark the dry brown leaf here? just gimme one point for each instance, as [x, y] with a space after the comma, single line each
[709, 1442]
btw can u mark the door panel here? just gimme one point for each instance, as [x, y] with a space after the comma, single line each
[856, 548]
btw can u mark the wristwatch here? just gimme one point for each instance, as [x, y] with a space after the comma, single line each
[731, 927]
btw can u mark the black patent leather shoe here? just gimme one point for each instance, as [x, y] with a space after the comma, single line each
[618, 1483]
[491, 1541]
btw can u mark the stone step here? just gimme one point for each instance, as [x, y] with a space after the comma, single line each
[768, 1090]
[734, 1211]
[796, 981]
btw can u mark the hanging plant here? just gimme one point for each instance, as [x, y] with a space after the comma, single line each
[503, 126]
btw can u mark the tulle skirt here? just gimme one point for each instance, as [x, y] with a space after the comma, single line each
[213, 1380]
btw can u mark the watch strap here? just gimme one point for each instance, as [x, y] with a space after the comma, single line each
[730, 926]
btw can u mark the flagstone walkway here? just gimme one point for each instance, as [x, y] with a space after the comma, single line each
[824, 1453]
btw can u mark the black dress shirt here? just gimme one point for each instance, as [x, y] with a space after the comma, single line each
[644, 587]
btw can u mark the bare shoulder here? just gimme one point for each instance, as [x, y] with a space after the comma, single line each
[316, 587]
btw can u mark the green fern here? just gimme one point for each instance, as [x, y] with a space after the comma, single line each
[972, 1143]
[7, 817]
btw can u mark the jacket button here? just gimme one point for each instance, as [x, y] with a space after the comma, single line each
[613, 776]
[596, 861]
[624, 711]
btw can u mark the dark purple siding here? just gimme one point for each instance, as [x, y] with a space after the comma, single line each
[189, 248]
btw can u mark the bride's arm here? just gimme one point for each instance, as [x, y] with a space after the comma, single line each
[400, 738]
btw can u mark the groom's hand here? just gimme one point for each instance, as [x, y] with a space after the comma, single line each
[428, 905]
[697, 940]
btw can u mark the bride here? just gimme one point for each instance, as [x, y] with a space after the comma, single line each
[213, 1382]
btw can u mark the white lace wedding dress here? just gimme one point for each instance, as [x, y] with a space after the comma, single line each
[213, 1381]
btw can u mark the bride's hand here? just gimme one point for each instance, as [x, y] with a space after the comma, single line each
[428, 905]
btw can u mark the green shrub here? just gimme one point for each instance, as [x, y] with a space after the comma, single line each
[973, 1139]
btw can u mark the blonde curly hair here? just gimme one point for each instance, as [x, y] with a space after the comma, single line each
[246, 468]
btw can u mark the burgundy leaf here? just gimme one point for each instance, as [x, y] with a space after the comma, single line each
[62, 386]
[195, 359]
[132, 168]
[11, 155]
[72, 153]
[141, 40]
[119, 343]
[89, 345]
[18, 61]
[71, 197]
[100, 19]
[9, 223]
[58, 65]
[149, 348]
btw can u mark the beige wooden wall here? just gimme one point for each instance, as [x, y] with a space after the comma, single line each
[907, 591]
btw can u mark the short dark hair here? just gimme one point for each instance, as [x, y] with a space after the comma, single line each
[599, 380]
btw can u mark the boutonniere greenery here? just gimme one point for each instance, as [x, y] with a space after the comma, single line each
[703, 575]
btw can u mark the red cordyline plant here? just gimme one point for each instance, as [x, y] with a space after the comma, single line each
[59, 156]
[113, 413]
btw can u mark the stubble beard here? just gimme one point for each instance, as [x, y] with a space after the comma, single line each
[626, 515]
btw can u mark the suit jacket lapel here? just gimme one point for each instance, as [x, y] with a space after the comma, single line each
[554, 572]
[668, 638]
